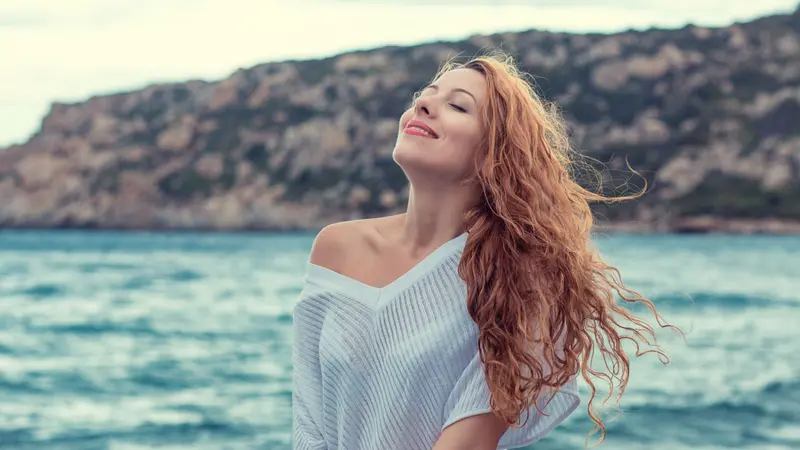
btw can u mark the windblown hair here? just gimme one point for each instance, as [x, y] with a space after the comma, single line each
[542, 297]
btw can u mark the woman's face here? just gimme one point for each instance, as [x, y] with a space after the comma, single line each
[441, 131]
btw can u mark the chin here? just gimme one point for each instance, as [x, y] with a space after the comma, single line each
[417, 163]
[407, 155]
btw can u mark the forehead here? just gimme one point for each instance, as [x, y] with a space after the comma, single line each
[467, 79]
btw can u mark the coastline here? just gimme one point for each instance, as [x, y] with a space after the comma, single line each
[292, 146]
[688, 225]
[704, 225]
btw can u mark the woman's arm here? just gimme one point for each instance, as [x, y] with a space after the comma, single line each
[481, 432]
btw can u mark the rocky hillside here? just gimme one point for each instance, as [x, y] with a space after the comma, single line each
[711, 117]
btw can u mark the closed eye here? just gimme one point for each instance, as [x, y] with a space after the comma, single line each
[457, 108]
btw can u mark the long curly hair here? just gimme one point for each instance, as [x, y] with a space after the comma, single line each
[539, 292]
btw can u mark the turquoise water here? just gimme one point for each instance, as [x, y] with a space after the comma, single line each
[182, 341]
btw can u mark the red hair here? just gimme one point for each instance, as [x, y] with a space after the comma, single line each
[534, 279]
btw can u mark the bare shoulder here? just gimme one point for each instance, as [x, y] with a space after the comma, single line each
[342, 243]
[330, 242]
[338, 242]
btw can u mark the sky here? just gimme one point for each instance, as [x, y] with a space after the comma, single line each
[72, 50]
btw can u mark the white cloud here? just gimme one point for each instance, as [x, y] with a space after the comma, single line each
[71, 50]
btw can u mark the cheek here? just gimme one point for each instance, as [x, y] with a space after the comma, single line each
[466, 136]
[464, 146]
[405, 118]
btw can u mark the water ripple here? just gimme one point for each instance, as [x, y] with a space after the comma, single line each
[183, 341]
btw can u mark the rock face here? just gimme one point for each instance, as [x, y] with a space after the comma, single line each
[710, 117]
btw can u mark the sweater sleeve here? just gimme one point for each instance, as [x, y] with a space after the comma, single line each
[306, 384]
[470, 397]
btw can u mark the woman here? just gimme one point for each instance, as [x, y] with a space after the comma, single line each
[462, 323]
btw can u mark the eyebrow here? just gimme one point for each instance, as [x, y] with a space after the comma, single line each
[435, 87]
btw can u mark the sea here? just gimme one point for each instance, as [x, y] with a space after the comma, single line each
[140, 340]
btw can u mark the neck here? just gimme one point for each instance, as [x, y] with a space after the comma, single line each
[435, 215]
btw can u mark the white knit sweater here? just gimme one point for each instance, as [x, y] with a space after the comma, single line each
[389, 368]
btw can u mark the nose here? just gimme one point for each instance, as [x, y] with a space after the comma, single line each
[425, 106]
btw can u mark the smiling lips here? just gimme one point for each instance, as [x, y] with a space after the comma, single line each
[418, 128]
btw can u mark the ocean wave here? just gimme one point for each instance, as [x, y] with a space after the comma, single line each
[95, 267]
[143, 281]
[41, 291]
[720, 300]
[147, 434]
[731, 423]
[136, 341]
[20, 386]
[137, 327]
[144, 327]
[52, 382]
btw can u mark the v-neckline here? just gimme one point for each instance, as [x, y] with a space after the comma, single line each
[372, 295]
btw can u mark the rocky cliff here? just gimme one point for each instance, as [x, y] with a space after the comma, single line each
[711, 117]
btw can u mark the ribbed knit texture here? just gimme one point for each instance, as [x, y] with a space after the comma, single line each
[389, 368]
